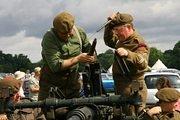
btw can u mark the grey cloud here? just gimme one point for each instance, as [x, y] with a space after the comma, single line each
[158, 21]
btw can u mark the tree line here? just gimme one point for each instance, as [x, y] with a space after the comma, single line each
[10, 63]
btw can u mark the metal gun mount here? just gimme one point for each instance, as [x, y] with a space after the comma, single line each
[99, 100]
[93, 46]
[91, 107]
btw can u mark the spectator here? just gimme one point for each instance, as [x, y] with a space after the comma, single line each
[34, 84]
[20, 76]
[163, 82]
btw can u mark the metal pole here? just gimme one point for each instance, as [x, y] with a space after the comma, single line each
[102, 26]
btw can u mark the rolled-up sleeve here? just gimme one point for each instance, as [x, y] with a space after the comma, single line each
[51, 53]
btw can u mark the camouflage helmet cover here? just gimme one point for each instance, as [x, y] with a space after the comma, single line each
[121, 19]
[168, 95]
[11, 82]
[63, 22]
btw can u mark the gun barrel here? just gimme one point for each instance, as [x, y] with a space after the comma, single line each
[92, 49]
[99, 100]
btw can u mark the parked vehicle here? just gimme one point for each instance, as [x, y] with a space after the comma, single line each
[150, 80]
[2, 75]
[152, 77]
[108, 82]
[168, 70]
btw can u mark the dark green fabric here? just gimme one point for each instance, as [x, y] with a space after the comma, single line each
[54, 52]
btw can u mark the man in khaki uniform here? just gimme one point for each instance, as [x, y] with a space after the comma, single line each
[11, 84]
[63, 47]
[167, 108]
[121, 35]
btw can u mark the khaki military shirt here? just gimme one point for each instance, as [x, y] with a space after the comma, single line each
[138, 53]
[168, 116]
[136, 61]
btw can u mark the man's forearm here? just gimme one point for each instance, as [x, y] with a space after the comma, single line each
[69, 63]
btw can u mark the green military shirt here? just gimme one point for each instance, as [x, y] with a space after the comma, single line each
[54, 52]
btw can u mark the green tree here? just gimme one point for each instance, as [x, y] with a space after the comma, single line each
[154, 55]
[171, 57]
[10, 63]
[106, 59]
[22, 62]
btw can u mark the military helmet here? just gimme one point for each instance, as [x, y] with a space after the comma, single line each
[63, 22]
[10, 82]
[168, 94]
[121, 19]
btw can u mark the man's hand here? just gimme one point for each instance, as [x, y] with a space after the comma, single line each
[85, 58]
[3, 117]
[112, 17]
[154, 110]
[122, 52]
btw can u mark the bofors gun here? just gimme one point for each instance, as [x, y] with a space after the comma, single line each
[92, 82]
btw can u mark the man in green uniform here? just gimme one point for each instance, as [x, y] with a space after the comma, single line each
[63, 47]
[167, 100]
[121, 35]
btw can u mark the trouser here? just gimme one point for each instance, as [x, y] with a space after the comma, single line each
[69, 87]
[125, 89]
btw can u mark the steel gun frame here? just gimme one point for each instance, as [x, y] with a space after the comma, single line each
[122, 64]
[82, 108]
[92, 82]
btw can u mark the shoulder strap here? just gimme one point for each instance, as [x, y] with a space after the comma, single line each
[78, 35]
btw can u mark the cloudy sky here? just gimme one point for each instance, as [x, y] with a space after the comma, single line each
[23, 22]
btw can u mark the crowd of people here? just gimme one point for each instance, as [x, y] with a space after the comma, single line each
[66, 45]
[29, 83]
[24, 87]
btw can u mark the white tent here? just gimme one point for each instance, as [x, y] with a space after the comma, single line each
[110, 69]
[158, 65]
